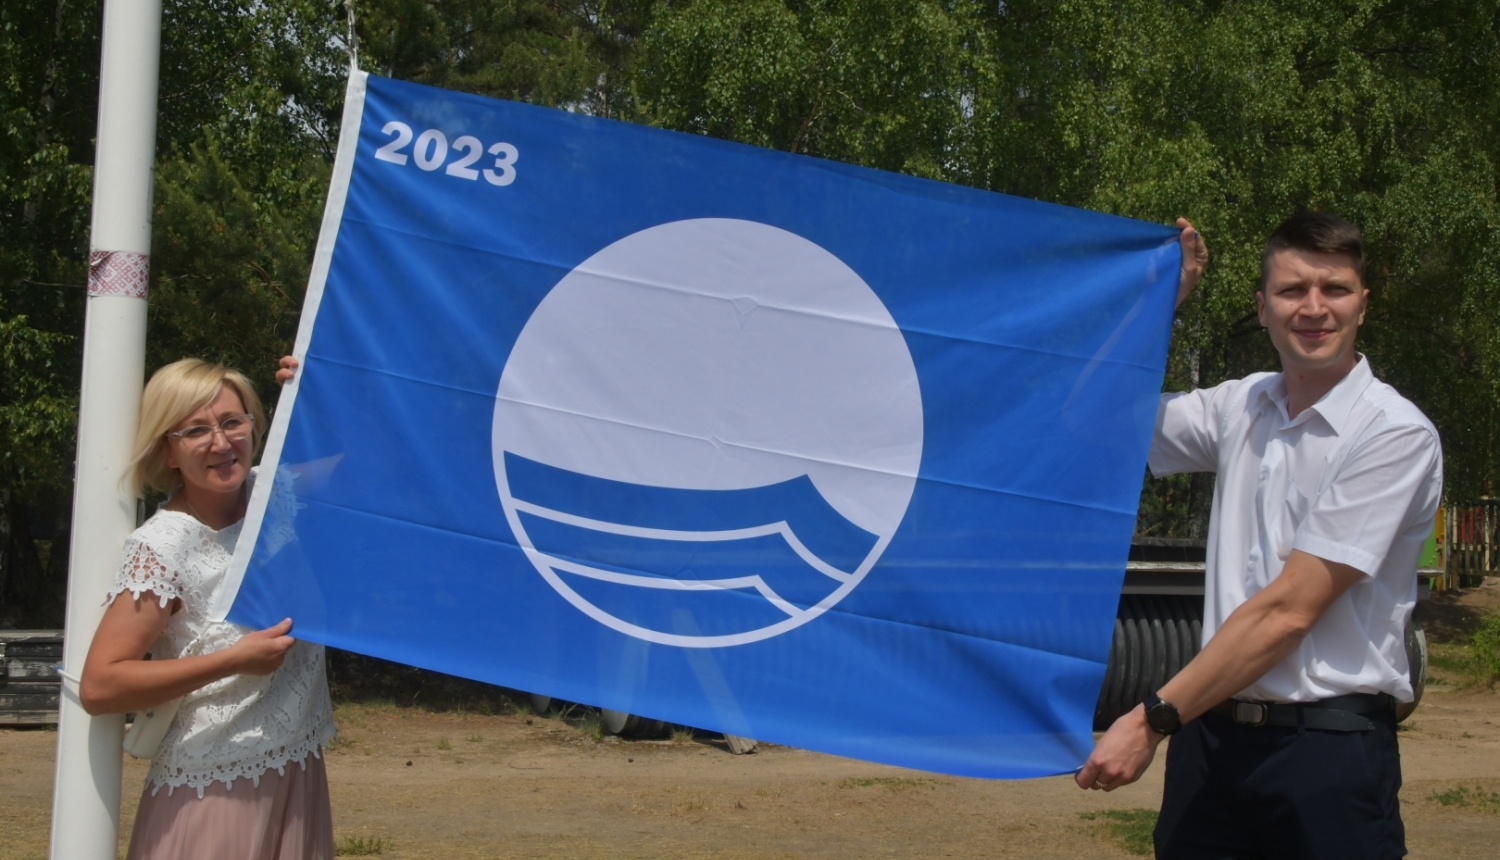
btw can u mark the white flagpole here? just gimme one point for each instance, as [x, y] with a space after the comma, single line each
[86, 790]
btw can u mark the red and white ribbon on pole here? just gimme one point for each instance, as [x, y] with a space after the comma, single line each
[119, 273]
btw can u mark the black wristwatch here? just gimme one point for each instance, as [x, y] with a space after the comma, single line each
[1162, 716]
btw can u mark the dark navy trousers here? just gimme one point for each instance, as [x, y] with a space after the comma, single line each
[1236, 791]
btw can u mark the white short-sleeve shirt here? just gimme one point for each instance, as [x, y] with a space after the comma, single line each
[1354, 479]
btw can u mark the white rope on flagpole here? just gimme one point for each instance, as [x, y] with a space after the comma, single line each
[86, 787]
[352, 42]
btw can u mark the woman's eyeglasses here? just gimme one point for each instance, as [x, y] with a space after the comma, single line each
[236, 428]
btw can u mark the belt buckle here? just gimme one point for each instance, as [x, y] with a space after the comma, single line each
[1251, 714]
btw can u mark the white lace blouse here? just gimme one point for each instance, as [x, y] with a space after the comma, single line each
[236, 727]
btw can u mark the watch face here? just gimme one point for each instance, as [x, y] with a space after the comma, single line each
[1162, 716]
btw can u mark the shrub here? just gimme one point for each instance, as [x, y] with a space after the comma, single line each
[1484, 648]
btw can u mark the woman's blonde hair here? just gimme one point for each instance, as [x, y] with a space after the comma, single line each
[175, 392]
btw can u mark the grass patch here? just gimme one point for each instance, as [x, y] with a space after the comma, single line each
[350, 715]
[682, 735]
[1472, 661]
[1484, 649]
[474, 739]
[1129, 828]
[444, 744]
[591, 725]
[889, 783]
[1456, 661]
[1466, 798]
[359, 846]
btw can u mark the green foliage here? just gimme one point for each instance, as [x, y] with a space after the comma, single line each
[229, 260]
[255, 84]
[1236, 115]
[359, 846]
[249, 104]
[1239, 114]
[591, 725]
[1131, 829]
[47, 110]
[46, 122]
[1463, 797]
[1474, 659]
[267, 76]
[566, 55]
[883, 84]
[1455, 660]
[33, 414]
[1484, 649]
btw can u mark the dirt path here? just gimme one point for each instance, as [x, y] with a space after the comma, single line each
[450, 785]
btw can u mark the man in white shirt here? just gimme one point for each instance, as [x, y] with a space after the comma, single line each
[1328, 482]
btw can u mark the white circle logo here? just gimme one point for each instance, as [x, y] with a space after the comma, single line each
[707, 433]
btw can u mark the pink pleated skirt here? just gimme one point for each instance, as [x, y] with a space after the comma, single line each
[286, 817]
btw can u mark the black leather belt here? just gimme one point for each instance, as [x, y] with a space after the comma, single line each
[1338, 714]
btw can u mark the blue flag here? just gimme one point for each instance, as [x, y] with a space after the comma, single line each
[747, 441]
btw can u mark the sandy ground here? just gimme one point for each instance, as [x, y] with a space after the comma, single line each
[450, 784]
[455, 785]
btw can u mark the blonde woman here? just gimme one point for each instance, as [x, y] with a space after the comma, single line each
[239, 773]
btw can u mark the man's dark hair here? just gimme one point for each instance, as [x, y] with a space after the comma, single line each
[1320, 232]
